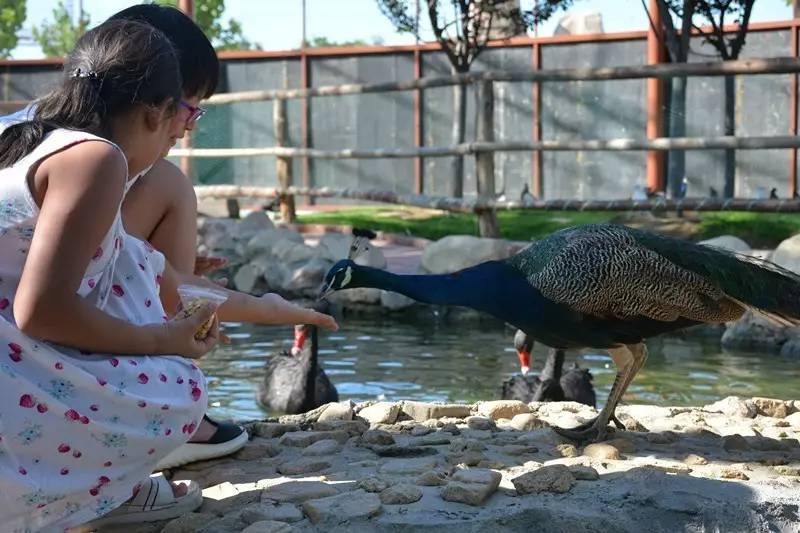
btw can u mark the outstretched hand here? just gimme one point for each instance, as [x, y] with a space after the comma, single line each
[277, 310]
[204, 264]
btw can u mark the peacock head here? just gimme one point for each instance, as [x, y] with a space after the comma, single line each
[339, 277]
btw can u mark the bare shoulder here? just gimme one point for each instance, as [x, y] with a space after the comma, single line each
[164, 173]
[90, 164]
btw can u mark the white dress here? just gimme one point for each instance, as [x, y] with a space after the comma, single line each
[80, 431]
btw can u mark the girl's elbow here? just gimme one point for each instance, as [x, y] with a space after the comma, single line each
[32, 319]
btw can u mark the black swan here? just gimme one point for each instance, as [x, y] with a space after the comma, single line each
[552, 385]
[293, 381]
[601, 286]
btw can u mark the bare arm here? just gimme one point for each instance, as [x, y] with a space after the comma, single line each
[80, 190]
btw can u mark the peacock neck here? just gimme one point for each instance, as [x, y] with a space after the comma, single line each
[470, 287]
[554, 365]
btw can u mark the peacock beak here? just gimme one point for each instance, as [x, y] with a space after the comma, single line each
[524, 361]
[325, 291]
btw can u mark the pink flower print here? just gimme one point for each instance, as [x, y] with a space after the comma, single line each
[15, 356]
[27, 401]
[117, 290]
[76, 454]
[141, 267]
[191, 427]
[103, 480]
[158, 279]
[4, 303]
[91, 283]
[97, 253]
[101, 381]
[73, 415]
[142, 404]
[94, 491]
[59, 365]
[162, 378]
[118, 243]
[192, 383]
[196, 393]
[107, 464]
[114, 361]
[168, 432]
[133, 362]
[143, 379]
[151, 451]
[165, 407]
[64, 447]
[85, 420]
[148, 302]
[64, 471]
[94, 407]
[16, 352]
[41, 407]
[179, 381]
[23, 471]
[15, 347]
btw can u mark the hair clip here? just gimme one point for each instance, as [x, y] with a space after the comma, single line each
[80, 73]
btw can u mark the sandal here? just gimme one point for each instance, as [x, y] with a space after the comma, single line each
[155, 501]
[228, 438]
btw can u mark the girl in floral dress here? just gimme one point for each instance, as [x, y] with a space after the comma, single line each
[81, 428]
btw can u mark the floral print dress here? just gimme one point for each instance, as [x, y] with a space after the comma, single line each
[80, 431]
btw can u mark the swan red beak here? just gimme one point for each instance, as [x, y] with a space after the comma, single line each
[524, 361]
[300, 336]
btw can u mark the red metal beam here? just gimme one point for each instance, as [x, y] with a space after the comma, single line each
[655, 102]
[537, 181]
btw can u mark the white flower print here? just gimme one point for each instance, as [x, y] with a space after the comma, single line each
[113, 440]
[104, 506]
[31, 433]
[155, 425]
[61, 389]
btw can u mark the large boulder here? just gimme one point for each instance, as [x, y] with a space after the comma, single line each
[457, 252]
[755, 332]
[307, 278]
[728, 242]
[292, 253]
[252, 224]
[334, 246]
[264, 241]
[787, 254]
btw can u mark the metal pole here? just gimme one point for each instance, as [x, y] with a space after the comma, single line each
[303, 42]
[655, 101]
[187, 6]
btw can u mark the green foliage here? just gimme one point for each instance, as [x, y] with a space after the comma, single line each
[58, 37]
[208, 15]
[324, 42]
[12, 15]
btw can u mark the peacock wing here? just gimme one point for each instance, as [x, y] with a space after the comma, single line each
[602, 271]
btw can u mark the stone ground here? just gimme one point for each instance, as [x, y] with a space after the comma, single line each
[498, 466]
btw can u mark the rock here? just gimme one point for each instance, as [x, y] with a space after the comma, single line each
[373, 484]
[342, 507]
[380, 413]
[567, 450]
[735, 442]
[585, 473]
[601, 451]
[733, 406]
[502, 409]
[733, 473]
[256, 450]
[755, 332]
[437, 439]
[271, 430]
[395, 301]
[400, 494]
[787, 254]
[431, 478]
[481, 423]
[297, 491]
[419, 431]
[457, 252]
[794, 420]
[282, 512]
[377, 437]
[276, 275]
[334, 246]
[517, 449]
[552, 478]
[695, 460]
[527, 422]
[337, 411]
[471, 486]
[268, 526]
[772, 407]
[264, 241]
[422, 411]
[353, 428]
[223, 497]
[407, 467]
[301, 439]
[306, 278]
[786, 470]
[188, 523]
[247, 277]
[727, 242]
[665, 437]
[253, 223]
[291, 253]
[623, 445]
[322, 447]
[630, 423]
[305, 465]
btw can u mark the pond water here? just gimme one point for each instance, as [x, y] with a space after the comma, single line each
[434, 359]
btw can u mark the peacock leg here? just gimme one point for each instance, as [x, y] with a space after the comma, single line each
[629, 359]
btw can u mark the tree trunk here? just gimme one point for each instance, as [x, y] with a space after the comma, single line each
[676, 164]
[730, 129]
[459, 123]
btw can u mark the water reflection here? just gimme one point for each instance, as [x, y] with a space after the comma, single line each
[433, 360]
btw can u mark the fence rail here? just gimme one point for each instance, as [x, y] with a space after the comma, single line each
[485, 204]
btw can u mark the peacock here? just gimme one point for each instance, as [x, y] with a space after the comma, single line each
[600, 286]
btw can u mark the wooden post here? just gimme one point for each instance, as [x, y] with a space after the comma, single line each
[655, 101]
[537, 180]
[283, 165]
[419, 176]
[187, 6]
[793, 110]
[484, 161]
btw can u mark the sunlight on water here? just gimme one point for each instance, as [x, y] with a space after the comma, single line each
[433, 360]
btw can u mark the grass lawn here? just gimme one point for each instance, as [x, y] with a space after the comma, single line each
[760, 230]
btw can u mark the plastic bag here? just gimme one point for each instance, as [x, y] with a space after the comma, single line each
[193, 297]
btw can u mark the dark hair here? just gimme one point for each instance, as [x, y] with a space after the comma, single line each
[198, 60]
[113, 67]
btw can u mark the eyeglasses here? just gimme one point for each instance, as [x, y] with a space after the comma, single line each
[194, 112]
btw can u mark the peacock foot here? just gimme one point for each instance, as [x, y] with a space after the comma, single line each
[592, 430]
